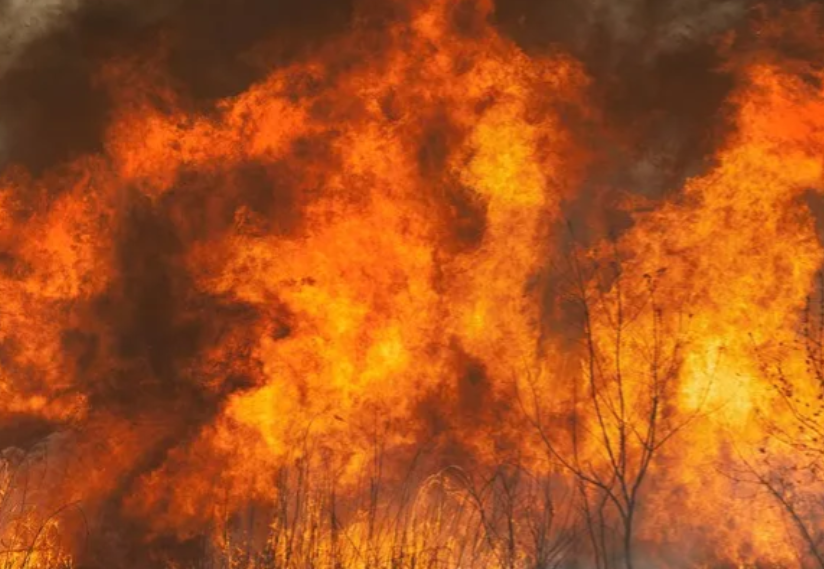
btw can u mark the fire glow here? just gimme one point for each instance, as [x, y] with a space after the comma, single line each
[347, 319]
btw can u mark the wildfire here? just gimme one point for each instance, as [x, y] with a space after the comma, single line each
[348, 318]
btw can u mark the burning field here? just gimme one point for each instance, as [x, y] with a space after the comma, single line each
[401, 284]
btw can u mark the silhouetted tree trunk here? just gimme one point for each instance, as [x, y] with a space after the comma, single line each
[621, 403]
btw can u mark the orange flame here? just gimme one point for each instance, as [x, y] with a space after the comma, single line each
[331, 298]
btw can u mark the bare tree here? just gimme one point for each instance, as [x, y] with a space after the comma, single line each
[29, 523]
[622, 408]
[788, 464]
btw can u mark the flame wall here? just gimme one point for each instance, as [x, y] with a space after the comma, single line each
[349, 241]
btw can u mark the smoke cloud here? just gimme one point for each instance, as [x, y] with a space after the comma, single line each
[23, 21]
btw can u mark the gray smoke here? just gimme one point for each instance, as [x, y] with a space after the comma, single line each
[617, 29]
[23, 21]
[665, 27]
